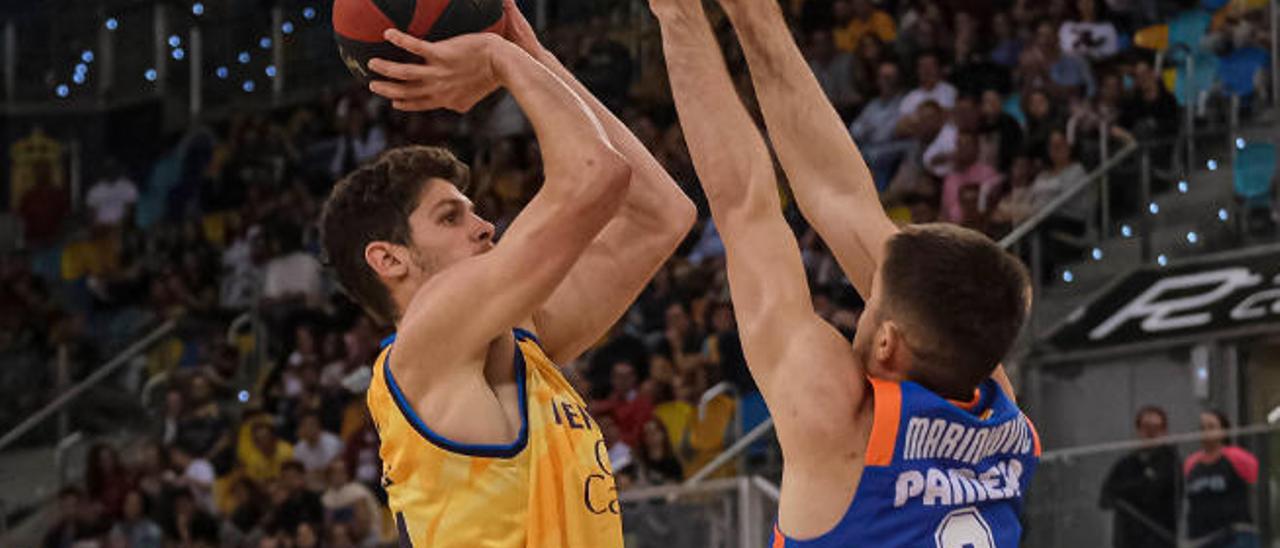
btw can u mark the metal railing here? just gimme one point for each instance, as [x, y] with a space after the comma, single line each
[59, 404]
[733, 512]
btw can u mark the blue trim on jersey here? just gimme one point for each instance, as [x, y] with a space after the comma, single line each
[503, 450]
[524, 335]
[387, 341]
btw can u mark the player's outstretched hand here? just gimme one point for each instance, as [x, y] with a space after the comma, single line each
[456, 75]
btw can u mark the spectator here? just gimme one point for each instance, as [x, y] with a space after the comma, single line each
[1068, 223]
[1000, 135]
[107, 479]
[360, 143]
[1102, 111]
[205, 430]
[294, 277]
[834, 70]
[1008, 45]
[972, 216]
[264, 456]
[1151, 111]
[708, 427]
[1064, 75]
[605, 65]
[77, 521]
[135, 529]
[627, 404]
[306, 536]
[1218, 479]
[171, 417]
[1043, 118]
[343, 496]
[245, 508]
[1142, 488]
[682, 338]
[193, 475]
[1017, 203]
[621, 456]
[188, 523]
[863, 19]
[315, 448]
[931, 88]
[112, 197]
[43, 208]
[1092, 35]
[295, 504]
[966, 170]
[658, 462]
[936, 136]
[874, 128]
[151, 471]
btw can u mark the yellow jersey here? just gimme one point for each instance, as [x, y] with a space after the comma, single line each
[552, 487]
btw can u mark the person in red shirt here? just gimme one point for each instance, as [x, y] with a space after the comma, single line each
[628, 404]
[1218, 480]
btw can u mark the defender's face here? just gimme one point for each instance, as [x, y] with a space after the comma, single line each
[445, 228]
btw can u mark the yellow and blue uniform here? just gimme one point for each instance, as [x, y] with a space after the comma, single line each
[552, 487]
[938, 473]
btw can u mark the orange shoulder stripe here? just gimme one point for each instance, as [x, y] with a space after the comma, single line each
[884, 425]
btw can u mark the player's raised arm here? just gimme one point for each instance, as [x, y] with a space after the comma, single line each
[458, 312]
[828, 176]
[653, 219]
[831, 182]
[803, 366]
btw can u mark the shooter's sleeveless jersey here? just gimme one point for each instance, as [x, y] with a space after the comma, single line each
[938, 474]
[552, 487]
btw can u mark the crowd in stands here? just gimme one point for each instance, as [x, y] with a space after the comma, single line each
[976, 113]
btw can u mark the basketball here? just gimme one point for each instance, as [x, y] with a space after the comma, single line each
[358, 26]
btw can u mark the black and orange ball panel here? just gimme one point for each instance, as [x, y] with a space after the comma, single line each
[358, 26]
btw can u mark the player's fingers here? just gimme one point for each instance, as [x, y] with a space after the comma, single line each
[410, 44]
[398, 71]
[395, 91]
[415, 105]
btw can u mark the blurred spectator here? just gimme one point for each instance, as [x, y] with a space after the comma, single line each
[264, 455]
[1102, 111]
[315, 448]
[112, 197]
[1043, 118]
[1070, 221]
[171, 417]
[1091, 35]
[246, 508]
[294, 278]
[151, 471]
[931, 88]
[1008, 45]
[1151, 111]
[1142, 488]
[76, 521]
[43, 208]
[135, 529]
[107, 479]
[1044, 65]
[682, 339]
[834, 70]
[188, 524]
[966, 171]
[294, 503]
[971, 214]
[708, 426]
[360, 143]
[605, 65]
[192, 475]
[874, 128]
[344, 498]
[936, 136]
[629, 407]
[1219, 477]
[621, 456]
[658, 462]
[1000, 135]
[856, 19]
[205, 430]
[1017, 203]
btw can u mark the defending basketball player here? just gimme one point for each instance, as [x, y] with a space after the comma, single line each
[484, 443]
[903, 439]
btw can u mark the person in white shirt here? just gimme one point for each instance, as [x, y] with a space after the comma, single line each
[112, 197]
[932, 88]
[293, 274]
[193, 473]
[316, 449]
[1091, 35]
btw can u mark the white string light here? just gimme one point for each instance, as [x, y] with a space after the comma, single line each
[197, 9]
[308, 13]
[243, 57]
[62, 90]
[286, 27]
[151, 75]
[1097, 254]
[1223, 215]
[1068, 276]
[221, 73]
[112, 24]
[248, 86]
[1192, 237]
[1126, 231]
[1162, 260]
[1212, 165]
[1183, 187]
[1153, 208]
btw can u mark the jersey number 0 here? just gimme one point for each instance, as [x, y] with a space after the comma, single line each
[964, 528]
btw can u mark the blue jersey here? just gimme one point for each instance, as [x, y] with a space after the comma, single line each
[938, 474]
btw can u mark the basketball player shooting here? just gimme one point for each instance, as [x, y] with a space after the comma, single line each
[903, 438]
[484, 443]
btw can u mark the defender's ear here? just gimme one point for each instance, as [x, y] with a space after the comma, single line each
[387, 260]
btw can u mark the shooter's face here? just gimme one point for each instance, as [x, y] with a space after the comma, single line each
[445, 229]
